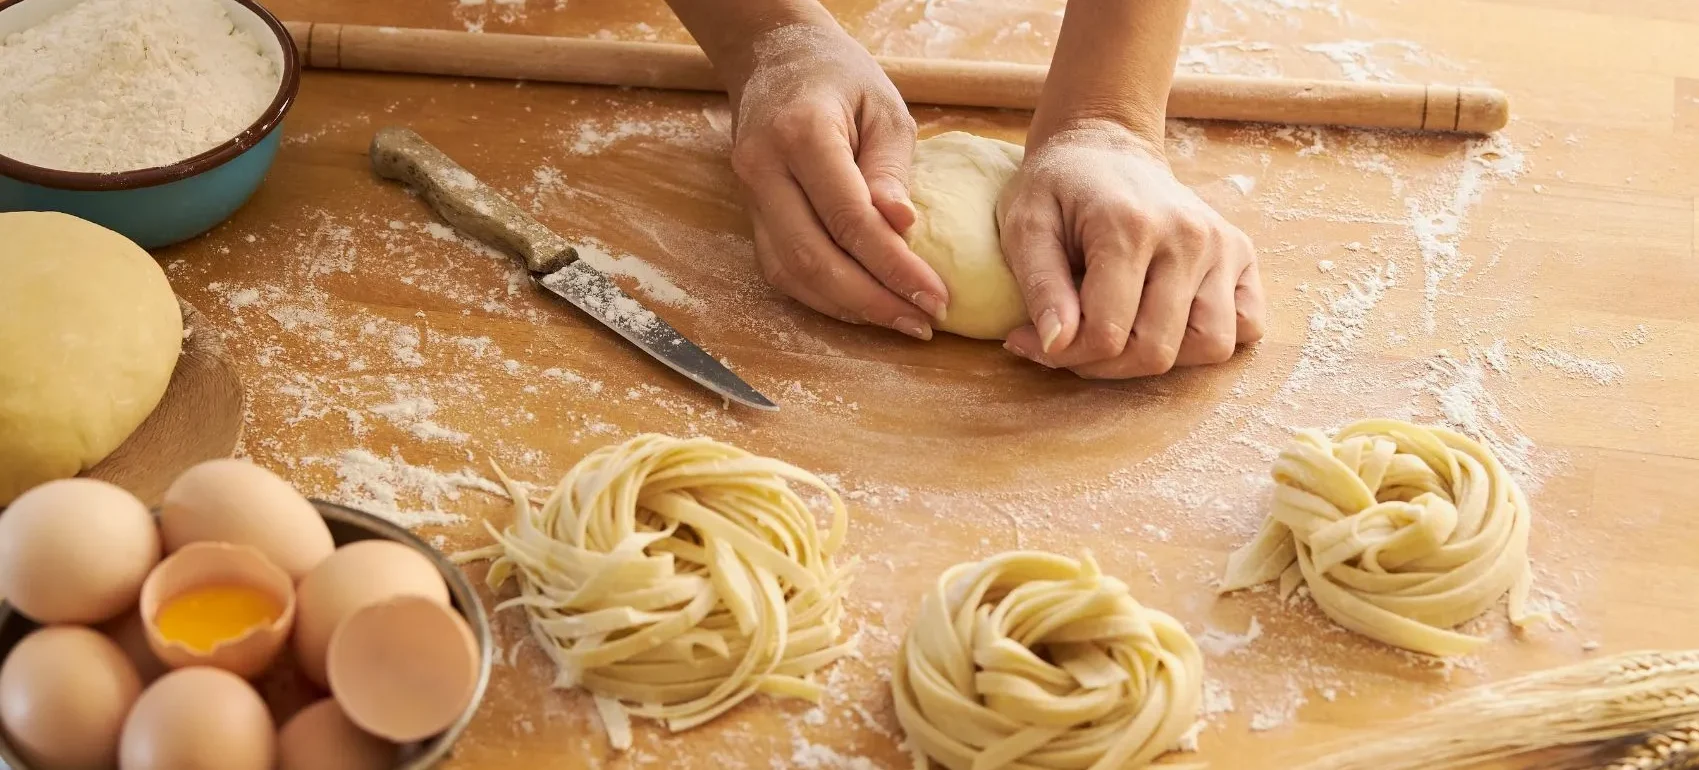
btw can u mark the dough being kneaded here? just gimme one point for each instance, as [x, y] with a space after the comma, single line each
[955, 181]
[90, 332]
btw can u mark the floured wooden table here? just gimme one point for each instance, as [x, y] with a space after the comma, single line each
[1539, 290]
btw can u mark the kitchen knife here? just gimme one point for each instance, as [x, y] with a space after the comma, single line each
[482, 213]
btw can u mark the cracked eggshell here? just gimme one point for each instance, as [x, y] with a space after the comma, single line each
[405, 668]
[356, 575]
[200, 565]
[235, 501]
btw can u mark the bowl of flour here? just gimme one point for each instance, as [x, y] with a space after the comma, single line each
[154, 118]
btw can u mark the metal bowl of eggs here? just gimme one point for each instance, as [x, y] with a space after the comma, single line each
[154, 118]
[269, 631]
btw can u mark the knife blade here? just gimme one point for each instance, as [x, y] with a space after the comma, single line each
[591, 291]
[479, 211]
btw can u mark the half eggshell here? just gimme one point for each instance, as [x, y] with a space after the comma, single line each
[202, 565]
[404, 669]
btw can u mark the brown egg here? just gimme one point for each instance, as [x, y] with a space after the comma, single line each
[356, 575]
[198, 719]
[131, 635]
[322, 738]
[75, 551]
[220, 605]
[64, 692]
[235, 501]
[405, 668]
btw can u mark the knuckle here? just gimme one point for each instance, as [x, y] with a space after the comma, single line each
[1251, 327]
[866, 307]
[885, 272]
[774, 273]
[900, 118]
[843, 222]
[1242, 243]
[1156, 357]
[1193, 230]
[1215, 346]
[1020, 221]
[1129, 215]
[1113, 244]
[1042, 282]
[748, 160]
[794, 124]
[1106, 339]
[798, 261]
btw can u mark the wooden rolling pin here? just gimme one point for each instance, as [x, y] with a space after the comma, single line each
[921, 81]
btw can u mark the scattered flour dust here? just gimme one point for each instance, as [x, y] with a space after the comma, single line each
[654, 284]
[474, 14]
[1581, 367]
[413, 413]
[1216, 643]
[1357, 60]
[1439, 219]
[1283, 711]
[1217, 700]
[808, 755]
[379, 485]
[604, 299]
[595, 136]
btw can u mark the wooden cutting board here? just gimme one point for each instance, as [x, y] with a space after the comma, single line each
[199, 418]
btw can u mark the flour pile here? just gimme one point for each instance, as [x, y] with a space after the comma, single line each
[121, 85]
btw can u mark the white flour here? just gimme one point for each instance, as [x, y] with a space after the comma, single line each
[1439, 219]
[120, 85]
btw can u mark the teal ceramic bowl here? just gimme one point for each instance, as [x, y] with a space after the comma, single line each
[160, 206]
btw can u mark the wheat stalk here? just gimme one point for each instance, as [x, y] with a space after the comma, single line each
[1673, 748]
[1601, 700]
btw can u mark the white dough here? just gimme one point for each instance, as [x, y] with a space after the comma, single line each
[89, 334]
[955, 181]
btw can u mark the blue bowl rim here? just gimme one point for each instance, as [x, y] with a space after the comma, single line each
[183, 169]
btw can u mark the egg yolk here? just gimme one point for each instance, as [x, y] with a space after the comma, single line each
[202, 618]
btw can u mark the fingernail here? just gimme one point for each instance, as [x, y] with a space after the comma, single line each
[1037, 358]
[1049, 328]
[931, 303]
[913, 327]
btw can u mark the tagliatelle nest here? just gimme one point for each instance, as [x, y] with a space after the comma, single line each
[675, 578]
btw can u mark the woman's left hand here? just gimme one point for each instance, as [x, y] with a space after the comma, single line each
[1167, 281]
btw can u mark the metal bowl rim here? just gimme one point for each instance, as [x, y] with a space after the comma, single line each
[464, 595]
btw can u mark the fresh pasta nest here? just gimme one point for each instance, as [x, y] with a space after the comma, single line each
[675, 578]
[1032, 660]
[1401, 532]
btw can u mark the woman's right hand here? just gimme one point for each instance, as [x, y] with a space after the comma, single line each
[822, 143]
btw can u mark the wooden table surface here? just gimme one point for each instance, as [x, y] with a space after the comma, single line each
[1540, 289]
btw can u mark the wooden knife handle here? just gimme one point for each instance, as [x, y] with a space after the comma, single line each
[923, 81]
[467, 203]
